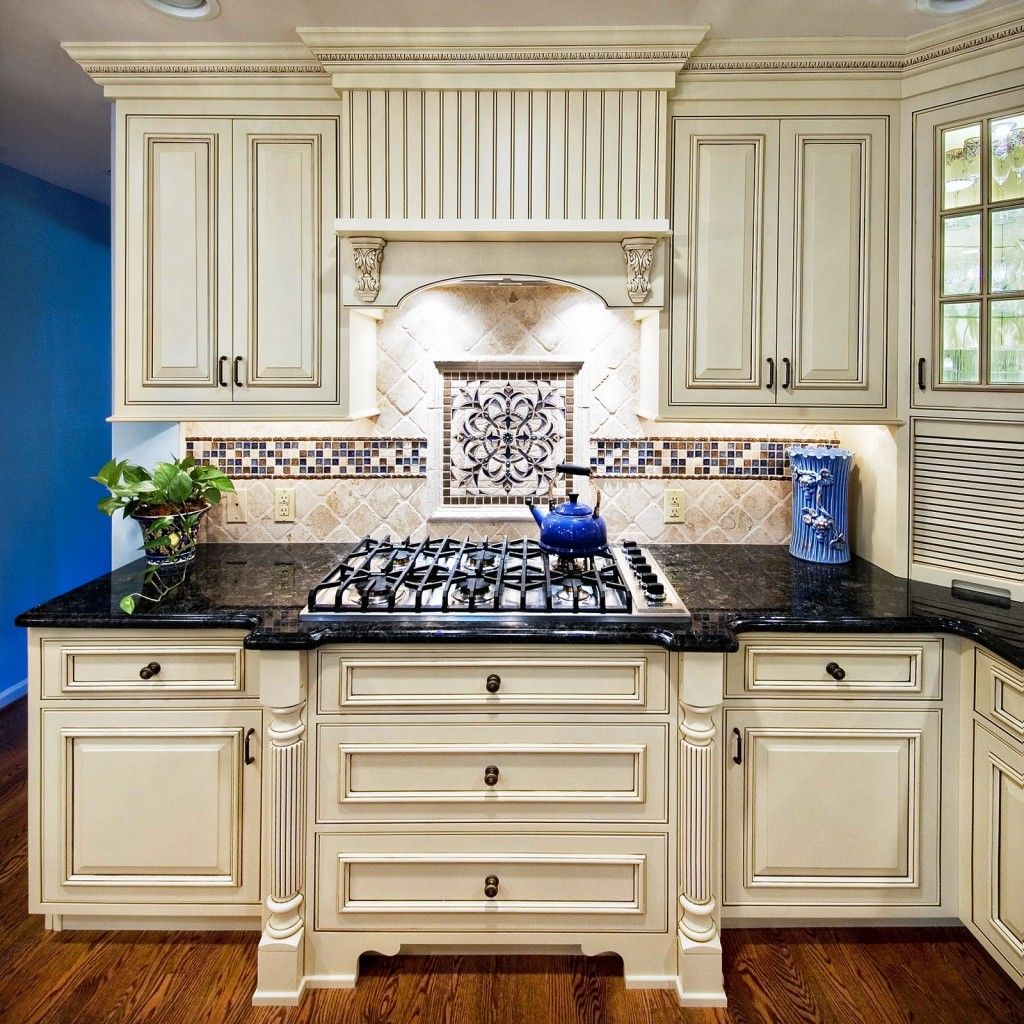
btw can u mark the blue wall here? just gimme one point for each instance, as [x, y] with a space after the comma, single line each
[54, 397]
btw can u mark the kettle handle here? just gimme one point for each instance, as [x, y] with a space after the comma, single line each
[573, 469]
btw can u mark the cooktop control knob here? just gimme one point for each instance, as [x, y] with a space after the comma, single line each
[647, 579]
[655, 593]
[641, 565]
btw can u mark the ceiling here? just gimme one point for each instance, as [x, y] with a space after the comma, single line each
[55, 124]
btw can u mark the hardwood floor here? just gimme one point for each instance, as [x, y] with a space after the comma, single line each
[804, 976]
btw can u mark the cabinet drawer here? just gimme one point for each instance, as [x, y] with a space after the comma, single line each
[491, 772]
[809, 667]
[578, 883]
[999, 694]
[107, 667]
[571, 678]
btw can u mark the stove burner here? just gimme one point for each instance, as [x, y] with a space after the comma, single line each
[375, 589]
[574, 591]
[472, 589]
[476, 561]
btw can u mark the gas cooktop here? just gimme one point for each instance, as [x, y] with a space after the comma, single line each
[495, 579]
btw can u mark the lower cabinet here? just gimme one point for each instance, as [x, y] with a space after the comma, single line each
[998, 848]
[832, 808]
[149, 807]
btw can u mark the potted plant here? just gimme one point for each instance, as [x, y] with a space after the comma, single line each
[168, 502]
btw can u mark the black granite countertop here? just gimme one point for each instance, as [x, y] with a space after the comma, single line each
[728, 588]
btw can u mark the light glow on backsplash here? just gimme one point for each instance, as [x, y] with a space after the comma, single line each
[518, 325]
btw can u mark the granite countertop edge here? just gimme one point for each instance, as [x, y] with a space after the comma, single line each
[731, 590]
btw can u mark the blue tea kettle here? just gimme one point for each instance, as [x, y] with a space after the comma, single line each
[570, 529]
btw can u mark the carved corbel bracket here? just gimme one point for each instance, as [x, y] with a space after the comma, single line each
[639, 254]
[368, 256]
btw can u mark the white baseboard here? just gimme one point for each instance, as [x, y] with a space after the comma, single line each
[13, 692]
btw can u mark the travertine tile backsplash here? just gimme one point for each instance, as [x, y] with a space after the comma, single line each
[388, 474]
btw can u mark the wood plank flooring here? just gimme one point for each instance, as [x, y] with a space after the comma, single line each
[803, 976]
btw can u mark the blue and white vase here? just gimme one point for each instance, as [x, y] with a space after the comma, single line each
[821, 513]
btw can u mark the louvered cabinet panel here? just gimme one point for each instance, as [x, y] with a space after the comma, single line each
[967, 520]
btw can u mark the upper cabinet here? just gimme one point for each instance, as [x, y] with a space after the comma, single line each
[779, 275]
[968, 256]
[228, 270]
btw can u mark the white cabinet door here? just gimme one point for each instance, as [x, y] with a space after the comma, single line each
[998, 838]
[286, 331]
[724, 225]
[832, 808]
[149, 807]
[833, 245]
[177, 260]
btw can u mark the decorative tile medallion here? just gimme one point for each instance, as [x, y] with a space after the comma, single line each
[695, 458]
[504, 431]
[313, 457]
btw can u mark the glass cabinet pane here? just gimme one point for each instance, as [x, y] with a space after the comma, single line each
[961, 254]
[1006, 233]
[961, 322]
[1007, 140]
[1006, 339]
[961, 167]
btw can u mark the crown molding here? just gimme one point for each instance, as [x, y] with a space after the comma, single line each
[124, 63]
[649, 57]
[885, 56]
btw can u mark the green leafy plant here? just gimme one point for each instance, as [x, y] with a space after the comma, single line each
[170, 488]
[168, 503]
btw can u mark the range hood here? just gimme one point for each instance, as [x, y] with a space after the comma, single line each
[535, 153]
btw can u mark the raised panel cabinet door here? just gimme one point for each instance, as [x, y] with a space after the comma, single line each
[286, 328]
[833, 246]
[998, 839]
[724, 226]
[832, 808]
[177, 260]
[150, 807]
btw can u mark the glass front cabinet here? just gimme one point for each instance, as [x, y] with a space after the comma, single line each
[969, 256]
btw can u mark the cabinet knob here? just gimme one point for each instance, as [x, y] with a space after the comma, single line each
[836, 671]
[491, 886]
[491, 775]
[150, 670]
[493, 683]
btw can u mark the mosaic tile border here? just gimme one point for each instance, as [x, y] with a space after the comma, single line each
[313, 458]
[695, 458]
[489, 372]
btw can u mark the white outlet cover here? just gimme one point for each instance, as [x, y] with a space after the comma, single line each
[236, 507]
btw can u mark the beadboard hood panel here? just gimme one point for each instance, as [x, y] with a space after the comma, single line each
[559, 154]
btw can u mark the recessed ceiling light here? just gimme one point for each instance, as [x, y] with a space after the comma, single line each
[192, 10]
[946, 6]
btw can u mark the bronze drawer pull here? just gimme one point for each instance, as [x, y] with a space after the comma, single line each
[493, 684]
[491, 775]
[836, 671]
[220, 371]
[491, 886]
[150, 670]
[249, 759]
[238, 371]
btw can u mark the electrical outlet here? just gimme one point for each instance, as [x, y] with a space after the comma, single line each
[284, 504]
[236, 506]
[675, 505]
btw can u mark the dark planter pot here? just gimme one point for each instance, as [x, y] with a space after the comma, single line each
[170, 540]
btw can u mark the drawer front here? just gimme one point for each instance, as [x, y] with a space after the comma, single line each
[118, 667]
[824, 666]
[999, 694]
[492, 772]
[571, 678]
[492, 883]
